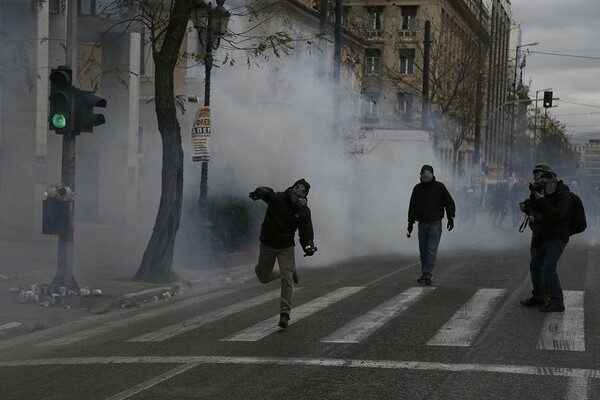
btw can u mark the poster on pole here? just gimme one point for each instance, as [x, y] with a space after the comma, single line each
[201, 135]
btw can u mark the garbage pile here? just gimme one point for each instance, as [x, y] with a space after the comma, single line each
[47, 295]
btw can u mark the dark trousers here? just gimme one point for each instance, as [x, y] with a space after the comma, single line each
[543, 264]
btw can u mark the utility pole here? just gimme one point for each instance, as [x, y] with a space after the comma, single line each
[322, 32]
[337, 54]
[425, 91]
[478, 95]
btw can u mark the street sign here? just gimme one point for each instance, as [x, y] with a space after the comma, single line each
[201, 135]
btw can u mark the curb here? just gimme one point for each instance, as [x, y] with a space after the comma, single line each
[224, 276]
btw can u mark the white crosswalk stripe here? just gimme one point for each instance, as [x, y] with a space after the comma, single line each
[269, 326]
[201, 320]
[565, 331]
[560, 331]
[368, 323]
[466, 323]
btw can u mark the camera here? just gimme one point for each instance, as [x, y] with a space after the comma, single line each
[536, 186]
[526, 206]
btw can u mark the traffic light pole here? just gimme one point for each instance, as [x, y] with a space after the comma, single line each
[64, 265]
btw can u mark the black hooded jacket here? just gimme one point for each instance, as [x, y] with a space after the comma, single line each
[551, 216]
[428, 201]
[282, 219]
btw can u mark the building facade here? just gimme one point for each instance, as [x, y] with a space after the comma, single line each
[383, 65]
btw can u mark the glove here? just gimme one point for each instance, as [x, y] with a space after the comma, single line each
[302, 202]
[450, 224]
[309, 250]
[409, 230]
[258, 194]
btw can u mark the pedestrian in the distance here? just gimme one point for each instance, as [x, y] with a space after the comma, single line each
[428, 201]
[548, 208]
[286, 212]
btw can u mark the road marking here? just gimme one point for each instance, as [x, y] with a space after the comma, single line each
[11, 326]
[130, 319]
[265, 328]
[466, 323]
[565, 331]
[368, 323]
[152, 382]
[576, 373]
[196, 322]
[392, 273]
[579, 388]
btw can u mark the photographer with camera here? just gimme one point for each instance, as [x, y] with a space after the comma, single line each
[286, 212]
[548, 210]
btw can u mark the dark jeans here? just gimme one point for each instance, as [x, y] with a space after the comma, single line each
[544, 260]
[430, 234]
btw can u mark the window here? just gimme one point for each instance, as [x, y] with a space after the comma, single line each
[140, 140]
[345, 15]
[146, 60]
[193, 48]
[372, 62]
[375, 21]
[408, 17]
[407, 61]
[405, 104]
[87, 7]
[54, 6]
[371, 106]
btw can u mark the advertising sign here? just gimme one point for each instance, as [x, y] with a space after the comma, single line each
[201, 135]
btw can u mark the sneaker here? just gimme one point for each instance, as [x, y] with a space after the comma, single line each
[295, 277]
[532, 302]
[553, 307]
[283, 320]
[425, 280]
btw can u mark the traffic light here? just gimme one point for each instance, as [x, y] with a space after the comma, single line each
[547, 99]
[85, 119]
[61, 92]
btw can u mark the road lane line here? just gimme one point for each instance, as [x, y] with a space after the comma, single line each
[368, 323]
[269, 326]
[152, 382]
[534, 370]
[130, 319]
[466, 323]
[201, 320]
[565, 331]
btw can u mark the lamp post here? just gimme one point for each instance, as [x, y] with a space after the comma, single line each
[511, 144]
[211, 24]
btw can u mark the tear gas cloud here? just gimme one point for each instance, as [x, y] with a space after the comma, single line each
[273, 125]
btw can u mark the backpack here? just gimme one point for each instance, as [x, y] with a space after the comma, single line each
[577, 222]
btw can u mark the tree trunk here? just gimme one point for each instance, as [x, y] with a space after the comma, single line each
[158, 256]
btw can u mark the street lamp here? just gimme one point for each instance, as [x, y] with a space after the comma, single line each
[211, 24]
[511, 144]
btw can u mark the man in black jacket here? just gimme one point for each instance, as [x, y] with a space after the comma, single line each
[286, 212]
[427, 203]
[549, 210]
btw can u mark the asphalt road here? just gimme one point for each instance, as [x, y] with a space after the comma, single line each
[363, 329]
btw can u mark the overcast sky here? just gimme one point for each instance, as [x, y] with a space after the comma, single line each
[569, 28]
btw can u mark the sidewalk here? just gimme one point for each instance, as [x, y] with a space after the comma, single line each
[105, 260]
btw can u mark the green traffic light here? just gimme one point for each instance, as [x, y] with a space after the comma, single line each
[59, 121]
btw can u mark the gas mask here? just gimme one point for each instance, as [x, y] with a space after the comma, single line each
[298, 192]
[426, 176]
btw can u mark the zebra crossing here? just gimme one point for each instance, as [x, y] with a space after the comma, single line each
[559, 331]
